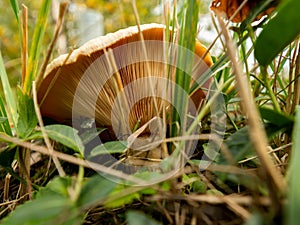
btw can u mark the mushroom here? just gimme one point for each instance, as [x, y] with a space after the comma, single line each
[117, 80]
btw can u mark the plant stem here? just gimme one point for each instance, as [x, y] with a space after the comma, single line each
[269, 89]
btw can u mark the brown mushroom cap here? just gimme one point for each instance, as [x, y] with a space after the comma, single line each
[89, 67]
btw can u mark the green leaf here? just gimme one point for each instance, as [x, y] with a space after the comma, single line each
[15, 6]
[90, 134]
[27, 120]
[58, 185]
[95, 190]
[8, 93]
[293, 206]
[51, 205]
[275, 117]
[240, 145]
[6, 156]
[121, 200]
[49, 209]
[36, 44]
[279, 32]
[109, 148]
[138, 218]
[65, 135]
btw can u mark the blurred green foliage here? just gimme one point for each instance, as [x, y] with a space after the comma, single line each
[117, 14]
[10, 41]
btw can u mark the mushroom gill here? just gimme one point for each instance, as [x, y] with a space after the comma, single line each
[117, 79]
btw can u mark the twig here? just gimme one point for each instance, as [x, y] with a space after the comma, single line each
[238, 209]
[213, 199]
[46, 139]
[73, 160]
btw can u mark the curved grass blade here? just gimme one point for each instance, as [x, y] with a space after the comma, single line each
[188, 35]
[4, 124]
[15, 6]
[36, 43]
[8, 94]
[292, 209]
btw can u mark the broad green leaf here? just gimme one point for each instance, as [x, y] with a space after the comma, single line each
[95, 190]
[49, 209]
[65, 135]
[58, 185]
[8, 94]
[36, 44]
[7, 156]
[121, 200]
[137, 218]
[293, 206]
[51, 205]
[109, 148]
[279, 32]
[240, 145]
[27, 120]
[275, 117]
[90, 134]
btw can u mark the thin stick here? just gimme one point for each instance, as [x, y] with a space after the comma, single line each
[24, 25]
[24, 155]
[213, 199]
[238, 209]
[59, 168]
[256, 130]
[269, 152]
[72, 159]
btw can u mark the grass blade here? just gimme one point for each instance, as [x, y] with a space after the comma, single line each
[8, 93]
[187, 41]
[292, 209]
[35, 48]
[15, 6]
[4, 125]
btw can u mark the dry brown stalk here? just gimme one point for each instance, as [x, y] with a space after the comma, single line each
[45, 136]
[73, 160]
[256, 130]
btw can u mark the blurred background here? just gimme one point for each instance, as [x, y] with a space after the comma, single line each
[84, 20]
